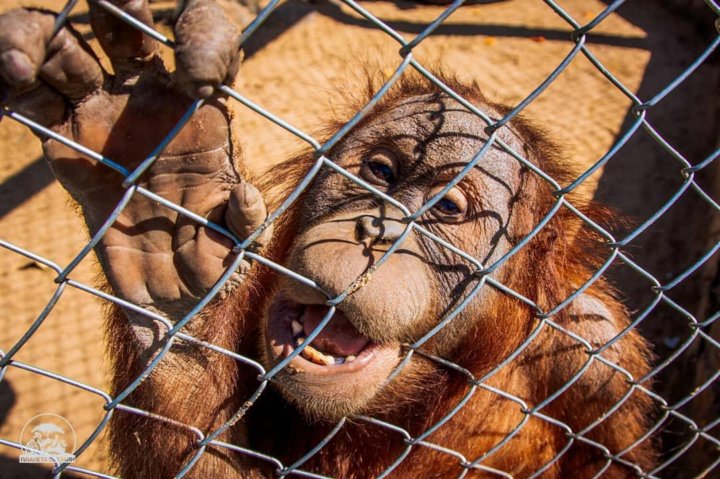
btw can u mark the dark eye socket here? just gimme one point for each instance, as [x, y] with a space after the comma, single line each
[448, 207]
[380, 168]
[451, 207]
[382, 171]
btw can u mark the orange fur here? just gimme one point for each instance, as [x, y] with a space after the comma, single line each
[563, 255]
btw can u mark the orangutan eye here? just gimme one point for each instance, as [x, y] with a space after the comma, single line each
[380, 168]
[382, 171]
[450, 207]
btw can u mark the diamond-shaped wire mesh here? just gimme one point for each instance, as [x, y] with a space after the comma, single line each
[687, 431]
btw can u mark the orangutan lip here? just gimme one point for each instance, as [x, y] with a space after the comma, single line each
[338, 348]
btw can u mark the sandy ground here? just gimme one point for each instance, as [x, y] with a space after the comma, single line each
[298, 66]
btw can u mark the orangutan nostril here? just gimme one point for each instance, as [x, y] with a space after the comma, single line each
[371, 227]
[379, 229]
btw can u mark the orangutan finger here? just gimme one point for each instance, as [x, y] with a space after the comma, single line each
[41, 104]
[208, 50]
[71, 67]
[128, 48]
[30, 53]
[246, 212]
[23, 36]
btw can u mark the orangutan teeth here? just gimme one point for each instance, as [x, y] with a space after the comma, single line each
[312, 354]
[328, 360]
[297, 328]
[323, 359]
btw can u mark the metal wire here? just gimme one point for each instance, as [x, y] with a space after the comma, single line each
[598, 355]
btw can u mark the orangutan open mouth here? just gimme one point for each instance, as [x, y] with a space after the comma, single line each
[338, 348]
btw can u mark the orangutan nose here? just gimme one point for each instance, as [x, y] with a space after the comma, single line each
[384, 230]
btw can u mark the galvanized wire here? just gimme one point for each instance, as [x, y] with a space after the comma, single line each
[243, 250]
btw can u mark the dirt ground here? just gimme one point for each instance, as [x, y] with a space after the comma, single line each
[299, 65]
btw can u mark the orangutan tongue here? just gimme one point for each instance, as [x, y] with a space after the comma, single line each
[338, 337]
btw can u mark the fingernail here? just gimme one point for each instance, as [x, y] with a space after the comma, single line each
[204, 91]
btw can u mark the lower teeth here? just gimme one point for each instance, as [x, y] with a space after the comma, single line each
[317, 357]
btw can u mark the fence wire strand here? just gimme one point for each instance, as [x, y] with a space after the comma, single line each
[598, 355]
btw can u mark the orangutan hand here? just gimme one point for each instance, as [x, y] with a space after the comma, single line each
[151, 255]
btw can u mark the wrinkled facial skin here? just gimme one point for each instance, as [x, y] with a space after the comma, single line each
[410, 151]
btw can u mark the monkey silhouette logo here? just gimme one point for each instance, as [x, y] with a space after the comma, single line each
[47, 438]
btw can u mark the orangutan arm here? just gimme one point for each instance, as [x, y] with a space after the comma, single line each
[152, 255]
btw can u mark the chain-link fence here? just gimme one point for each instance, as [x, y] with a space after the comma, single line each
[695, 339]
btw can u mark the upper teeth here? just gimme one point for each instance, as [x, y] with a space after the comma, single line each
[297, 328]
[312, 354]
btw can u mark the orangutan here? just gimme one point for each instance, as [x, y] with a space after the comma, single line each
[567, 402]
